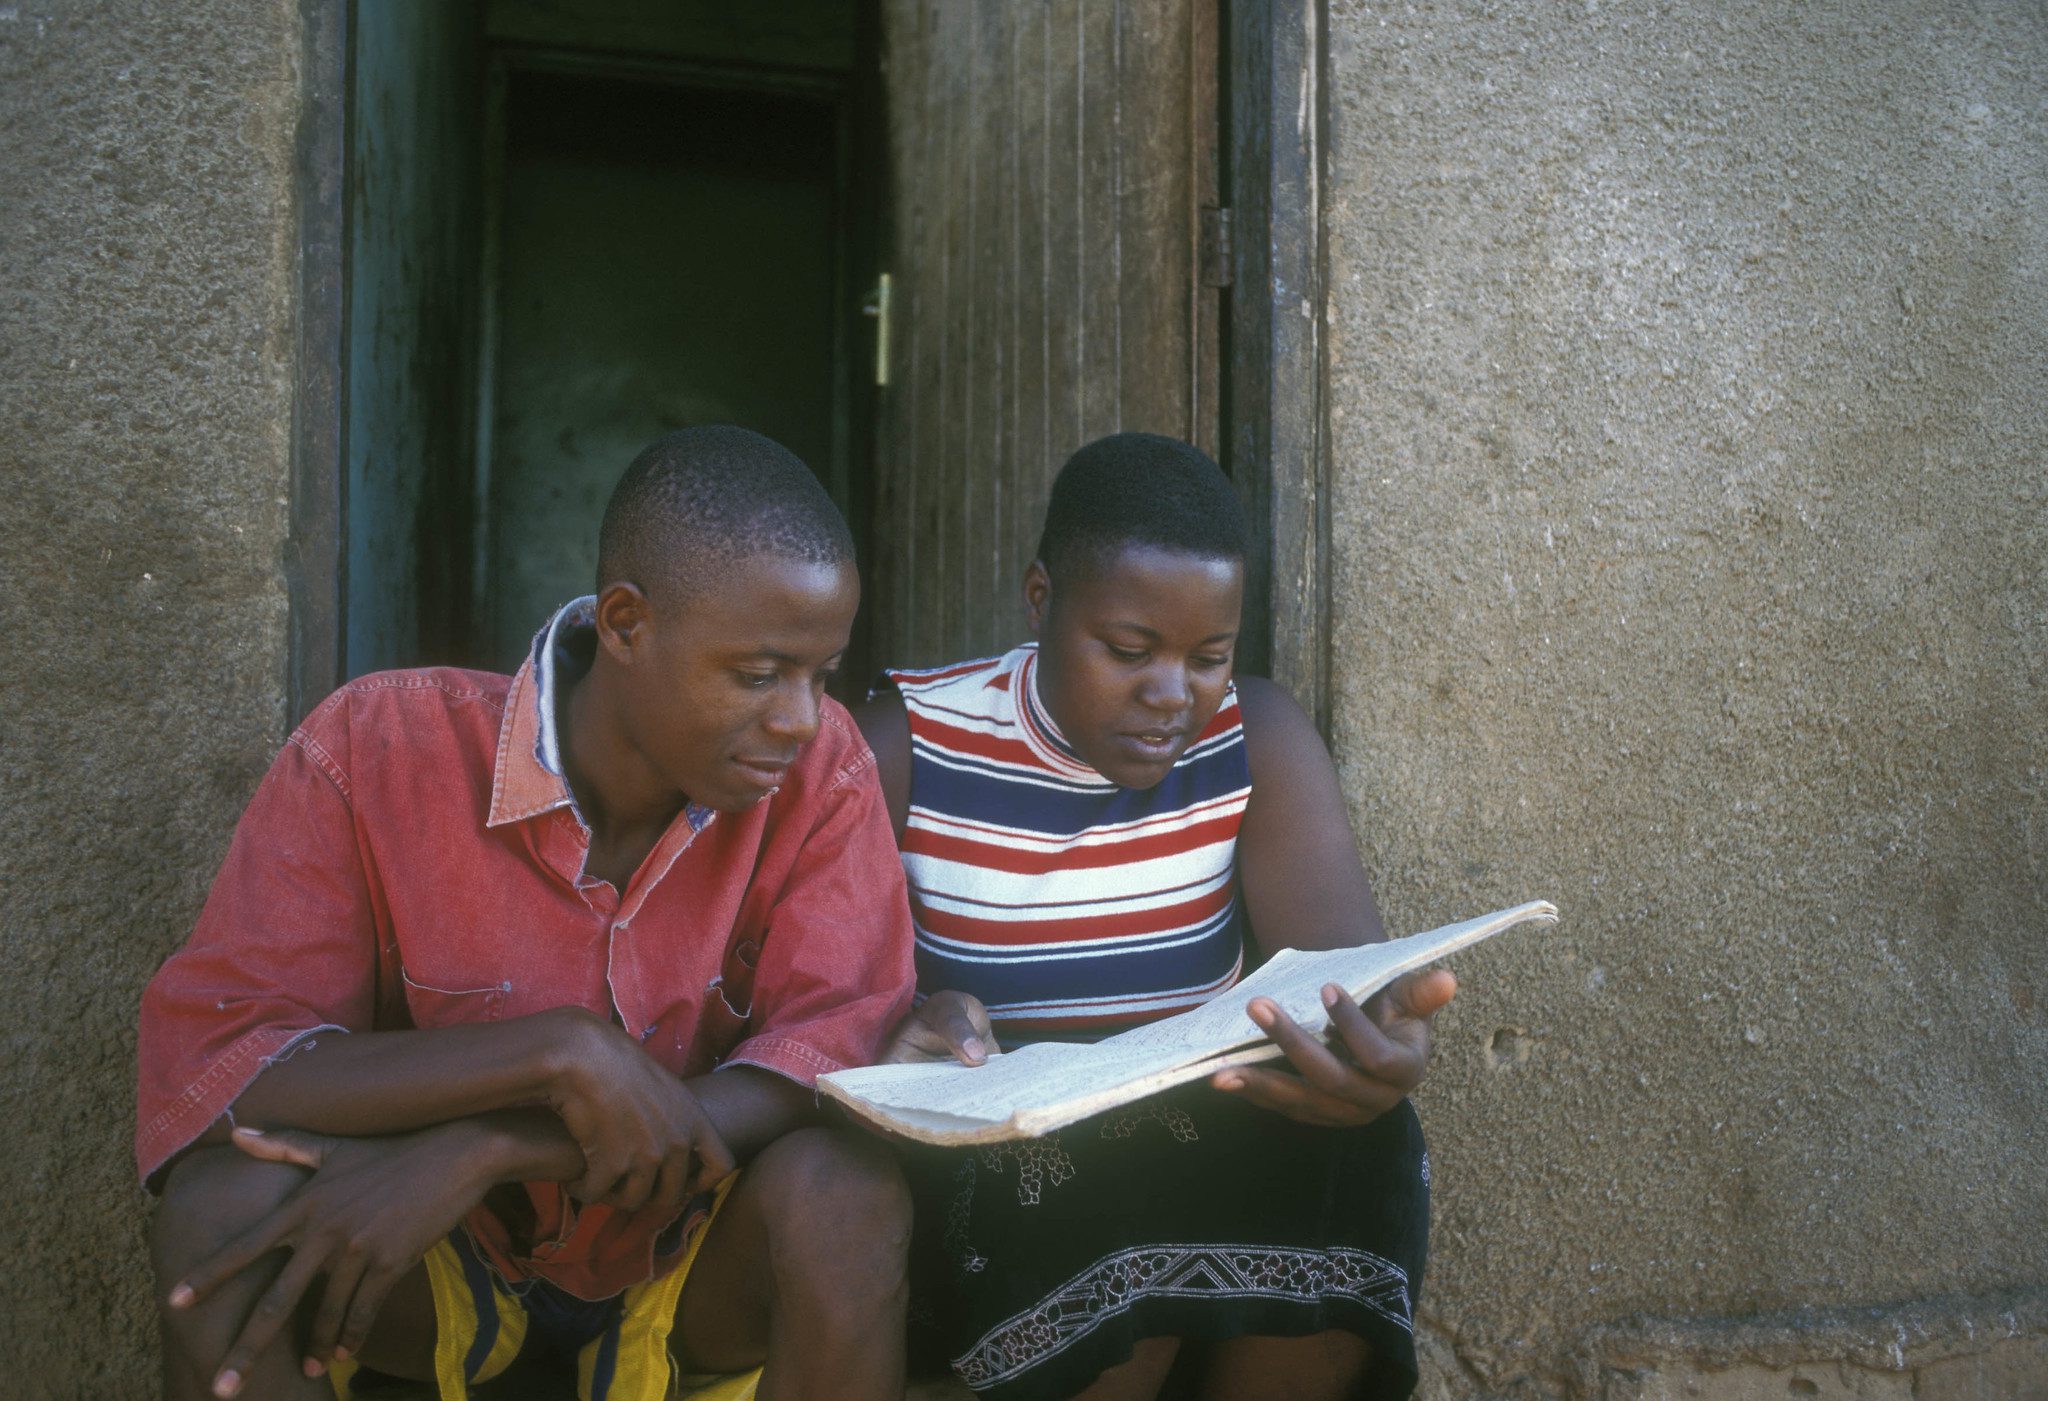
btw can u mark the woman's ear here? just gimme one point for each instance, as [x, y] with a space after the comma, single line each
[623, 618]
[1037, 596]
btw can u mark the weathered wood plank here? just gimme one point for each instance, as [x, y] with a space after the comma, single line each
[984, 297]
[1032, 448]
[955, 108]
[1050, 162]
[1278, 448]
[316, 553]
[1100, 57]
[1205, 301]
[1153, 196]
[1065, 324]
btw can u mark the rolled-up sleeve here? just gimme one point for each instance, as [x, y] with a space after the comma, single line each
[835, 971]
[285, 947]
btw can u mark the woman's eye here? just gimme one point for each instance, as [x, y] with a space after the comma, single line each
[1124, 654]
[1211, 663]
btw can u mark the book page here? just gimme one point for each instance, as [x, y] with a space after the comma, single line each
[1294, 978]
[1043, 1086]
[1040, 1076]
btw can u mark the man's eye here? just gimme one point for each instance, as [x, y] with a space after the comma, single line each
[756, 679]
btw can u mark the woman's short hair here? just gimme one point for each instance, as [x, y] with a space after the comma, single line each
[1139, 489]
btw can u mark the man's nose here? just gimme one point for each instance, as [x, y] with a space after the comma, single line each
[794, 715]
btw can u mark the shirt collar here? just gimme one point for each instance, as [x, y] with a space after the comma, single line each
[530, 778]
[1040, 732]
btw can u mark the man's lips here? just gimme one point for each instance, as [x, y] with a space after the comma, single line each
[766, 772]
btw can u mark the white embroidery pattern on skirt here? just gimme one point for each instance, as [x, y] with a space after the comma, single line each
[958, 1213]
[1125, 1122]
[1117, 1282]
[1037, 1160]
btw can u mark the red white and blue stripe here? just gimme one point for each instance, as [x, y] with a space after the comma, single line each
[1071, 907]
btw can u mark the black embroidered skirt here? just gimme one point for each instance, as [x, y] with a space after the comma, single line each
[1036, 1265]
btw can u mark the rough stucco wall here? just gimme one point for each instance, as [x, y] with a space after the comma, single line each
[1690, 515]
[146, 258]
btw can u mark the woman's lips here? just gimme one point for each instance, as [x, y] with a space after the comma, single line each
[1154, 745]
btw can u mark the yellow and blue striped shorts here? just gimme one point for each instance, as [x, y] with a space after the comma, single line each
[481, 1324]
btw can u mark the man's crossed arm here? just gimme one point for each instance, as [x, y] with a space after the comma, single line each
[407, 1130]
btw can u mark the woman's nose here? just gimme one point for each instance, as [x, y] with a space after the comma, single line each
[1165, 688]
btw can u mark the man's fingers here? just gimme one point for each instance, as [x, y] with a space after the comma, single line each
[601, 1172]
[369, 1298]
[272, 1312]
[605, 1167]
[715, 1161]
[232, 1258]
[631, 1192]
[343, 1278]
[307, 1150]
[671, 1185]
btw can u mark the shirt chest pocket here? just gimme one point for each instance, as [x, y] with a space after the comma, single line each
[447, 1002]
[729, 1001]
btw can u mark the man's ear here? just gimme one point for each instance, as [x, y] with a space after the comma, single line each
[624, 617]
[1037, 596]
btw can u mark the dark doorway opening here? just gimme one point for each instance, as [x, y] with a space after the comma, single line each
[535, 233]
[569, 228]
[663, 254]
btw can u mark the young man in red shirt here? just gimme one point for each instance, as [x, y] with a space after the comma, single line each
[523, 967]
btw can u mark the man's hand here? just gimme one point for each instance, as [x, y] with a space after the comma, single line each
[946, 1024]
[1379, 1055]
[368, 1214]
[638, 1125]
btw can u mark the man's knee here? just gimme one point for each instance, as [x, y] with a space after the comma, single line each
[211, 1195]
[836, 1206]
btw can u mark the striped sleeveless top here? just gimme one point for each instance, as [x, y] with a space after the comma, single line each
[1071, 907]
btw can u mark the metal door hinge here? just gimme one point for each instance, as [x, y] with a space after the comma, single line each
[1216, 247]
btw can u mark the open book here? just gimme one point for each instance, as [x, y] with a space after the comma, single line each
[1048, 1085]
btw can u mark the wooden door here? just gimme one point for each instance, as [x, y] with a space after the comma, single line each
[1052, 169]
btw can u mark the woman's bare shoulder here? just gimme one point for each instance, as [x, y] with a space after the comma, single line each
[885, 724]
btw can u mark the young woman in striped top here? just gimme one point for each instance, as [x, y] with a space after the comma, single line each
[1100, 829]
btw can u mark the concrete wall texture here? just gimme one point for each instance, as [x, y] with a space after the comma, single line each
[146, 255]
[1687, 380]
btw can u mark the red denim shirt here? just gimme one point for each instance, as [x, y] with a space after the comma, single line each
[414, 859]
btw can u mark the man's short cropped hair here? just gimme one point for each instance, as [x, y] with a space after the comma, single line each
[1139, 489]
[698, 501]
